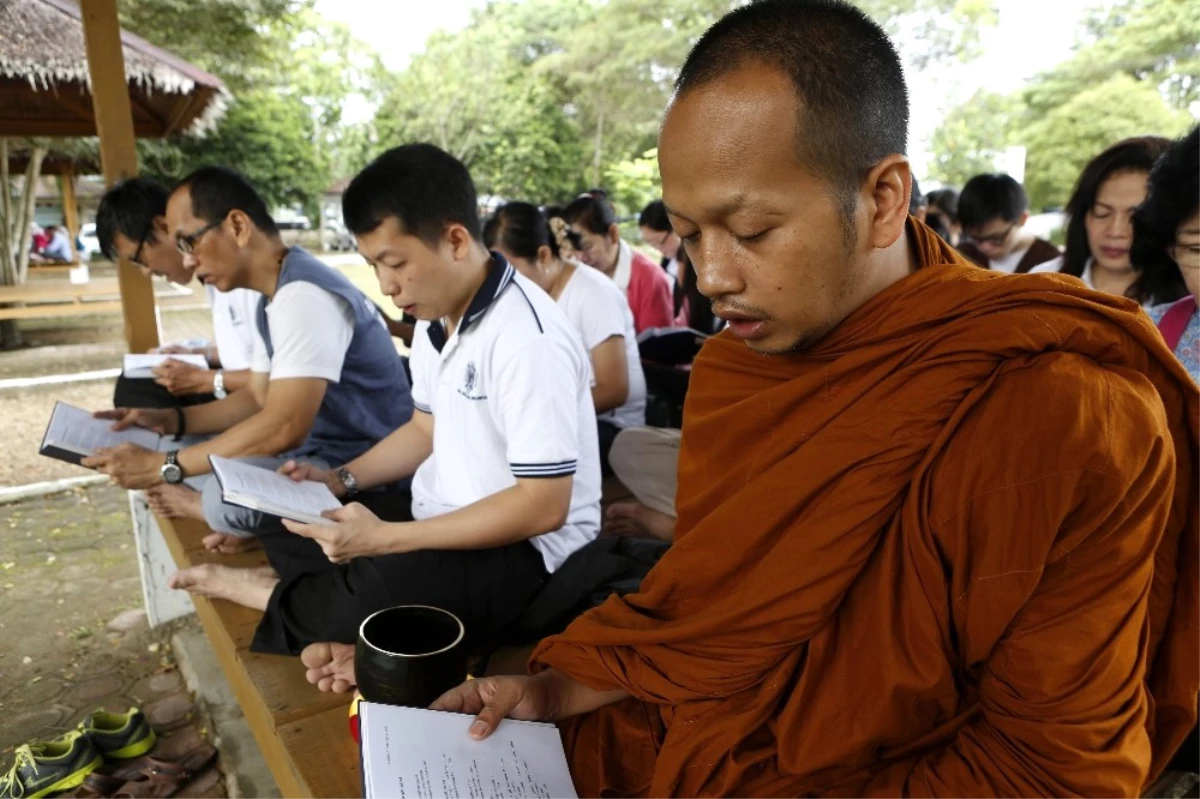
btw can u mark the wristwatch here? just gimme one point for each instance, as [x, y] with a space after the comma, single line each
[171, 471]
[348, 481]
[219, 385]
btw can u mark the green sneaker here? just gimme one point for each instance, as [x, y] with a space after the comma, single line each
[45, 768]
[119, 736]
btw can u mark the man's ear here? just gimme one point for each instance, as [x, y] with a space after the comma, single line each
[884, 200]
[240, 226]
[459, 239]
[1024, 218]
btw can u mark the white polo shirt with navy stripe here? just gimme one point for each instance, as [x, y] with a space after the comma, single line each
[510, 394]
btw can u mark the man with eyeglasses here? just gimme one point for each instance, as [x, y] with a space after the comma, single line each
[326, 381]
[993, 210]
[131, 224]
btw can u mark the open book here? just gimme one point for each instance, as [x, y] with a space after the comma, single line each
[143, 366]
[670, 346]
[263, 490]
[74, 434]
[409, 752]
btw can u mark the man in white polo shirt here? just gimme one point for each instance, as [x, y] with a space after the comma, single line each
[502, 441]
[131, 224]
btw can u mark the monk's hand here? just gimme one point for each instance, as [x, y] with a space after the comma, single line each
[355, 533]
[301, 471]
[160, 420]
[493, 699]
[129, 465]
[183, 378]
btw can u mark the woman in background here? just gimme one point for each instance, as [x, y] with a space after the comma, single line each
[1166, 249]
[535, 246]
[645, 285]
[1100, 217]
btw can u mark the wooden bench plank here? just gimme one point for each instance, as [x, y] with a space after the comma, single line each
[54, 311]
[270, 689]
[323, 756]
[58, 291]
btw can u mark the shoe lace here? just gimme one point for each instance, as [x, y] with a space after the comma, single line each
[16, 786]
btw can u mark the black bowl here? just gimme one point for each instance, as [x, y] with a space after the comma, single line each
[409, 655]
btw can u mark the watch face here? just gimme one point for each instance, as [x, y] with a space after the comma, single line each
[171, 473]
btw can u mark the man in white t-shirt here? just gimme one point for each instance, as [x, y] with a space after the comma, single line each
[502, 446]
[326, 382]
[131, 224]
[993, 210]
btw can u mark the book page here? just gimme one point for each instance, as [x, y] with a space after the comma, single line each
[409, 752]
[272, 492]
[142, 366]
[75, 429]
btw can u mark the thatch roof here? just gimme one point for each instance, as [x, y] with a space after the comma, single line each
[44, 81]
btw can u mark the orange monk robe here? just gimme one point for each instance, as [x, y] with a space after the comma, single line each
[952, 550]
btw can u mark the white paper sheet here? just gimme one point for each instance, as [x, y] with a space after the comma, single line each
[142, 366]
[408, 752]
[75, 430]
[271, 492]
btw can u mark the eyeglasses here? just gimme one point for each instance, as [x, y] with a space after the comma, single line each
[995, 240]
[187, 244]
[137, 254]
[1186, 254]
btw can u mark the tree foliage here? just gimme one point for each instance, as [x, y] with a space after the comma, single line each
[542, 98]
[1134, 71]
[290, 72]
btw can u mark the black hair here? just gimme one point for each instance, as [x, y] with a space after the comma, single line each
[423, 187]
[521, 229]
[654, 216]
[988, 197]
[1172, 197]
[129, 208]
[853, 103]
[217, 190]
[592, 212]
[944, 202]
[1130, 155]
[916, 200]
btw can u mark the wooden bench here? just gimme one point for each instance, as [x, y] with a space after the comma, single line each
[41, 299]
[303, 733]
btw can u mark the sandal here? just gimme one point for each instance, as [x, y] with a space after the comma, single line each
[158, 779]
[99, 784]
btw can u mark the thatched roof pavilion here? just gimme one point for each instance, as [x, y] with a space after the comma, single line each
[45, 85]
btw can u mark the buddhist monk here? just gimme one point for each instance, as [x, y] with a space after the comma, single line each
[937, 526]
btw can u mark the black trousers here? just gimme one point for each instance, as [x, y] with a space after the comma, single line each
[316, 600]
[606, 433]
[142, 392]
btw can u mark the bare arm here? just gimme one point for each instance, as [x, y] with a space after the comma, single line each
[612, 374]
[397, 456]
[281, 424]
[532, 507]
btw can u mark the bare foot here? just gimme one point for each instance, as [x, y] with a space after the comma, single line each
[249, 587]
[175, 502]
[228, 544]
[637, 521]
[330, 666]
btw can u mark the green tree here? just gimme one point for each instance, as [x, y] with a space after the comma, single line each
[972, 136]
[1061, 142]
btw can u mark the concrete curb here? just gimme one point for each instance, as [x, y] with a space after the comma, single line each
[246, 772]
[18, 493]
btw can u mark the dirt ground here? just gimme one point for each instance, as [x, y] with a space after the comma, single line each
[92, 345]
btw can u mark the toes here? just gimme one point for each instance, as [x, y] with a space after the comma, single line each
[317, 655]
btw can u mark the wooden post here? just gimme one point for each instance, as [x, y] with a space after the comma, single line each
[118, 153]
[70, 207]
